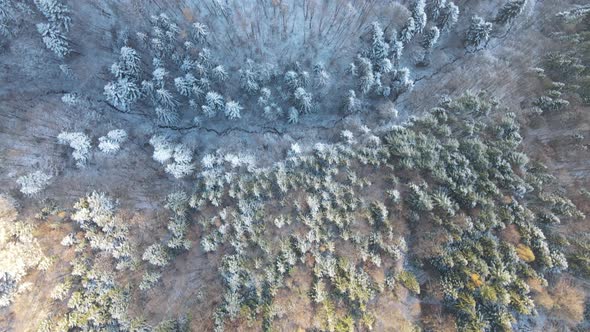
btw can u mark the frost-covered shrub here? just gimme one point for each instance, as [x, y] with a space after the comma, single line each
[71, 99]
[551, 104]
[79, 142]
[348, 136]
[69, 240]
[33, 183]
[67, 71]
[111, 143]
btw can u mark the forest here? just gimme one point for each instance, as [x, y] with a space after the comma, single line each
[294, 165]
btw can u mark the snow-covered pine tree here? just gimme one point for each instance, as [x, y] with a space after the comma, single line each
[71, 99]
[122, 93]
[509, 11]
[293, 115]
[156, 254]
[185, 85]
[264, 98]
[219, 73]
[430, 38]
[163, 150]
[434, 8]
[183, 162]
[249, 80]
[56, 12]
[199, 32]
[79, 142]
[408, 31]
[367, 77]
[125, 91]
[159, 76]
[292, 80]
[180, 170]
[214, 103]
[54, 39]
[166, 116]
[321, 76]
[352, 103]
[111, 143]
[304, 100]
[6, 9]
[419, 15]
[402, 82]
[232, 110]
[448, 17]
[352, 69]
[67, 71]
[379, 48]
[478, 32]
[386, 66]
[129, 62]
[304, 78]
[397, 48]
[165, 99]
[33, 183]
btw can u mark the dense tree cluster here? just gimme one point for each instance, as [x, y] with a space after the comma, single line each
[103, 229]
[187, 77]
[568, 70]
[462, 176]
[19, 252]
